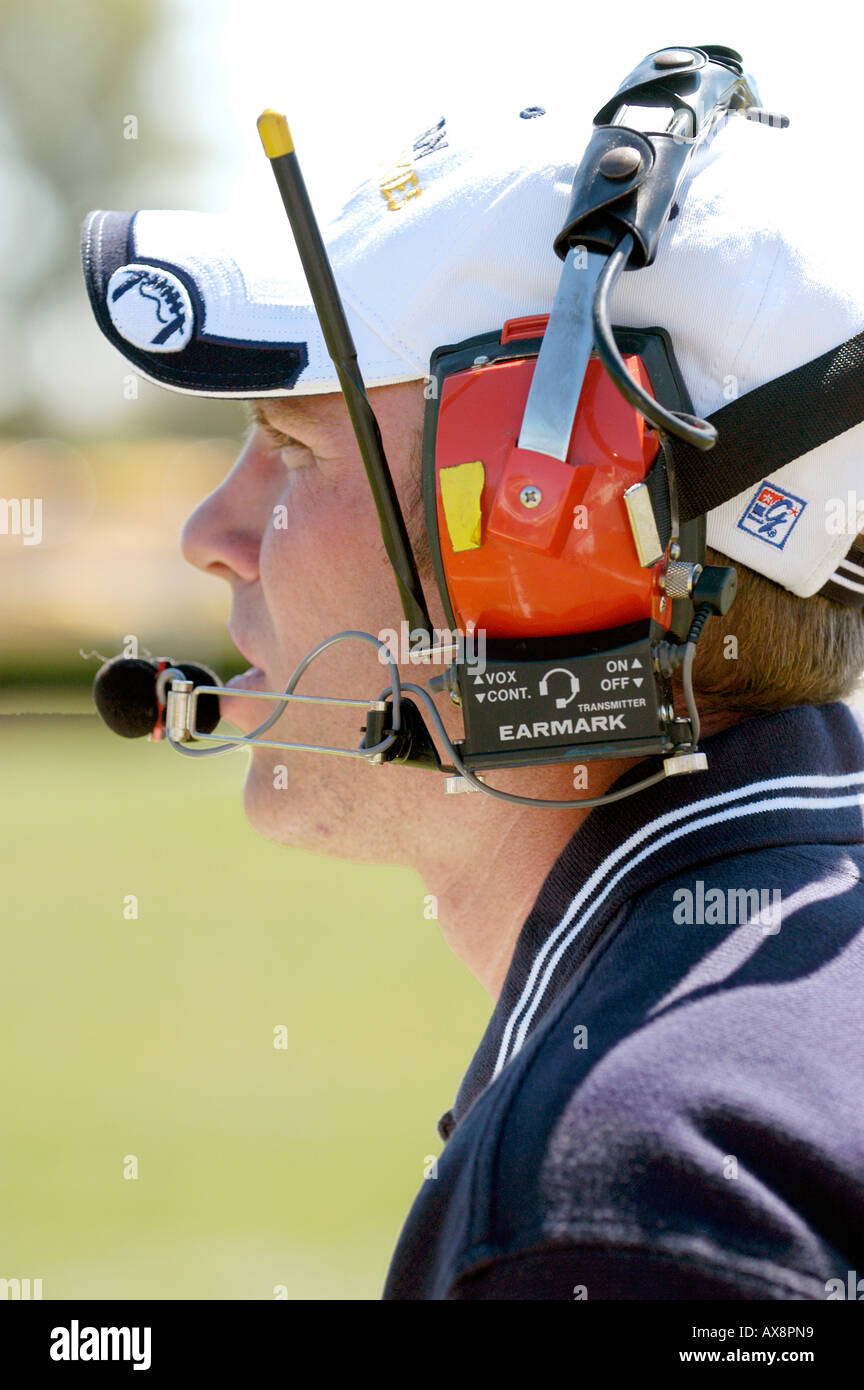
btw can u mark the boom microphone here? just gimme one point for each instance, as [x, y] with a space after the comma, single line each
[127, 695]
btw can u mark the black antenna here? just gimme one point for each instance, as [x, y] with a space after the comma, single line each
[279, 149]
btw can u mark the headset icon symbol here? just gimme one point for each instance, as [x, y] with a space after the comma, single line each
[574, 685]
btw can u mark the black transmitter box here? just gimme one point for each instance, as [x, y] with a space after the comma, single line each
[590, 695]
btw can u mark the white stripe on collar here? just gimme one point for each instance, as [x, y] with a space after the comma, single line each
[838, 578]
[531, 997]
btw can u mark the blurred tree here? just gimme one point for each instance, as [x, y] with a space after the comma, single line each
[91, 95]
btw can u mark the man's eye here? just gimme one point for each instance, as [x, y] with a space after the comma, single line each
[280, 440]
[290, 448]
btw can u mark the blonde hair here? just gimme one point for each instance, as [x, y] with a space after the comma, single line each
[774, 649]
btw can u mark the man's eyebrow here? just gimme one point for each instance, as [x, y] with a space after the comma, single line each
[257, 413]
[295, 412]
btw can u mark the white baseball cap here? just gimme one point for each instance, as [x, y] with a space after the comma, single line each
[453, 236]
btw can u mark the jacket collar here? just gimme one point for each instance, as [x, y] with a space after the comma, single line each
[794, 777]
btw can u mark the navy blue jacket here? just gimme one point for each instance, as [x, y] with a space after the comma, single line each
[668, 1101]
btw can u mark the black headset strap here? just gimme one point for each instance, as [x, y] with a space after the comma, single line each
[771, 426]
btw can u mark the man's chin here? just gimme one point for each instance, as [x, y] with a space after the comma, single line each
[284, 805]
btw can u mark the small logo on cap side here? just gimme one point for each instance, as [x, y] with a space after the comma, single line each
[435, 138]
[150, 308]
[772, 514]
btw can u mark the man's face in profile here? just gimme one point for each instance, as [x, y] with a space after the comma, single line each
[294, 531]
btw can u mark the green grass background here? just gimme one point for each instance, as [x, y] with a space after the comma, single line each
[257, 1167]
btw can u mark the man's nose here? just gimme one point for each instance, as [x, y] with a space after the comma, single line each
[223, 535]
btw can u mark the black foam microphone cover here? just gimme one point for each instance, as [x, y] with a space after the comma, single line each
[207, 716]
[124, 692]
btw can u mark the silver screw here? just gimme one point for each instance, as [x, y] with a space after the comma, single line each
[480, 361]
[674, 551]
[531, 496]
[679, 578]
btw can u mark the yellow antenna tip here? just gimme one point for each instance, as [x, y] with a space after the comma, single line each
[275, 135]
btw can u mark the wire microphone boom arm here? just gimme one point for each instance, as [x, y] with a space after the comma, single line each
[393, 732]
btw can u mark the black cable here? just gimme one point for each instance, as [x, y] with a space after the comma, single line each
[690, 428]
[700, 618]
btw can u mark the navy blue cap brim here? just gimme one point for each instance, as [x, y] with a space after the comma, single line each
[206, 366]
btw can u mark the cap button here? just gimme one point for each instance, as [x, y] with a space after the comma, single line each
[674, 58]
[620, 162]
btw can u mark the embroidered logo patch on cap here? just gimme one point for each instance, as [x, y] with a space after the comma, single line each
[150, 307]
[772, 514]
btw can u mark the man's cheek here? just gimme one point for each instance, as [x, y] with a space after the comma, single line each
[323, 568]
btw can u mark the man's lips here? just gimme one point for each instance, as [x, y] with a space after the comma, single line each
[247, 680]
[246, 715]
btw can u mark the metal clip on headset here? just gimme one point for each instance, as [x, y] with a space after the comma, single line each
[623, 194]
